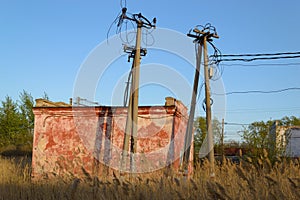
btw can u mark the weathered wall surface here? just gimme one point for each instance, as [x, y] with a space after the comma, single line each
[286, 139]
[76, 141]
[293, 144]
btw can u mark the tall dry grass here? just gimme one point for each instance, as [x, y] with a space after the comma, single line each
[250, 180]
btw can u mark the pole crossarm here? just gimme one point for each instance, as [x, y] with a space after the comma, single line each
[139, 19]
[200, 34]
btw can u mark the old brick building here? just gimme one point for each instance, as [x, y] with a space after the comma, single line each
[74, 141]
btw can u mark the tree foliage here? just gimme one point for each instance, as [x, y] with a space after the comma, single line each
[27, 116]
[16, 120]
[289, 121]
[201, 133]
[256, 135]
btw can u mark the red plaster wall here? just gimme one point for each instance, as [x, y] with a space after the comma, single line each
[77, 141]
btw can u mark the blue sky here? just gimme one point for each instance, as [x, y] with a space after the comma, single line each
[44, 43]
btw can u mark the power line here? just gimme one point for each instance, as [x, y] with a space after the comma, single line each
[260, 54]
[262, 64]
[257, 91]
[258, 58]
[235, 124]
[258, 110]
[123, 3]
[261, 111]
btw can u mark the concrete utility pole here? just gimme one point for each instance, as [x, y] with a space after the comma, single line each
[136, 82]
[132, 114]
[202, 37]
[131, 128]
[210, 136]
[190, 126]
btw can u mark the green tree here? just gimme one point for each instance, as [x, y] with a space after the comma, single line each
[10, 121]
[201, 132]
[256, 135]
[289, 121]
[27, 116]
[16, 120]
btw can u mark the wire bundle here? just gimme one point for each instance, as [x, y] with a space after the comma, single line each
[127, 21]
[259, 56]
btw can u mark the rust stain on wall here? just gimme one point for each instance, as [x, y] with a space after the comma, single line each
[78, 140]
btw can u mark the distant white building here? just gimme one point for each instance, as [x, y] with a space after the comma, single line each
[286, 139]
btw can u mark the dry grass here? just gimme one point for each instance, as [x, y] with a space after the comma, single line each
[258, 180]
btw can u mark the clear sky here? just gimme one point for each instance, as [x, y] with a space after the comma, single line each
[44, 43]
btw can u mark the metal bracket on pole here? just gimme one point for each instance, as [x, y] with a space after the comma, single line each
[131, 51]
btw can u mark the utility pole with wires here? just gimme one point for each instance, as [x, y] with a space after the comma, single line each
[130, 135]
[202, 37]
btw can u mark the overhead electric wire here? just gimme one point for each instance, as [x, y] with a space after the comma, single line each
[260, 54]
[255, 110]
[258, 91]
[123, 3]
[235, 124]
[262, 64]
[126, 92]
[258, 58]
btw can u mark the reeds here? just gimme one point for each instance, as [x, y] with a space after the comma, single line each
[256, 180]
